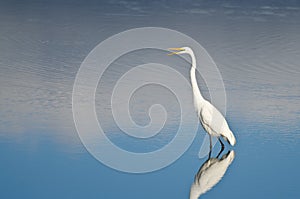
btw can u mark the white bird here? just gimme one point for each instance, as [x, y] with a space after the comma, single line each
[210, 118]
[210, 173]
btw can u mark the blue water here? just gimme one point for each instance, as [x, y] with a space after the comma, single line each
[256, 47]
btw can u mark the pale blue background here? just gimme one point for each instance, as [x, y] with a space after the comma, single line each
[42, 44]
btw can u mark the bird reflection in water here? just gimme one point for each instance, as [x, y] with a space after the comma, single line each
[210, 173]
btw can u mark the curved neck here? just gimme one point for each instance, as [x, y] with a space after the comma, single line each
[196, 91]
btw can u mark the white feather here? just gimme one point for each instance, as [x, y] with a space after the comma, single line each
[211, 119]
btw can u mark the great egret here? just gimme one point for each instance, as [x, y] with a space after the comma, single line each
[210, 118]
[210, 173]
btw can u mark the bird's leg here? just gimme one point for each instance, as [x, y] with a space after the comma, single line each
[222, 145]
[210, 146]
[222, 149]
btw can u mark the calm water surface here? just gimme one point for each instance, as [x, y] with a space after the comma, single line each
[256, 48]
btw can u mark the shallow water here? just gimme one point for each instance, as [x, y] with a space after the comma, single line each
[256, 48]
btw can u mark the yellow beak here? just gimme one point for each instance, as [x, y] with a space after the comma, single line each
[173, 53]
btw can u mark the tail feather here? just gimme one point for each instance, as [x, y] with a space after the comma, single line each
[229, 136]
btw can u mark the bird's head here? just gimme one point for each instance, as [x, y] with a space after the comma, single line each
[182, 50]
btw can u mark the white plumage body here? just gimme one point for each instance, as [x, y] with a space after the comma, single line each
[214, 123]
[210, 118]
